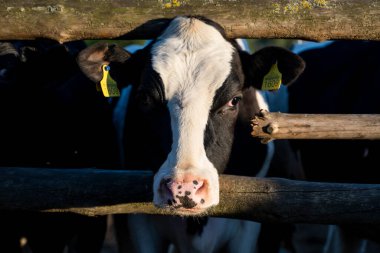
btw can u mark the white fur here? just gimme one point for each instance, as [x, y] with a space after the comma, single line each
[193, 60]
[261, 101]
[150, 232]
[270, 146]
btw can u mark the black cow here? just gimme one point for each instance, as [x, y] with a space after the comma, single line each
[193, 95]
[51, 116]
[340, 78]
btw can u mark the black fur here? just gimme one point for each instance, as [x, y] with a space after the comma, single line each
[147, 133]
[341, 78]
[52, 116]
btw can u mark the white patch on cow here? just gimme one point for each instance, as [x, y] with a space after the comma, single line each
[243, 43]
[150, 232]
[267, 161]
[261, 101]
[193, 60]
[270, 146]
[263, 104]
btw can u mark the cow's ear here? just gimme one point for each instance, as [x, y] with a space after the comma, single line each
[270, 63]
[91, 60]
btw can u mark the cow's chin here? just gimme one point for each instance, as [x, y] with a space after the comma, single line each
[195, 211]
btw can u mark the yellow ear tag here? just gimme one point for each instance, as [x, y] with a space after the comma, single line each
[107, 84]
[272, 80]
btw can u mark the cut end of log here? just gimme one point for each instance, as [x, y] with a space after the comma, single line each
[277, 125]
[261, 128]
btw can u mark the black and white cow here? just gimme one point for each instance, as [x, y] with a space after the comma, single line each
[51, 116]
[342, 78]
[192, 95]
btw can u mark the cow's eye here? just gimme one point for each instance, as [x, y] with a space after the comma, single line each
[234, 102]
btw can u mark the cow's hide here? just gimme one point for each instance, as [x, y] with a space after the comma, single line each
[193, 95]
[341, 77]
[51, 117]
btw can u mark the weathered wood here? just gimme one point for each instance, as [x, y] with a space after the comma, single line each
[99, 192]
[270, 126]
[304, 19]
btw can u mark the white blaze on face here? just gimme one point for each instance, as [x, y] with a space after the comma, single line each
[193, 60]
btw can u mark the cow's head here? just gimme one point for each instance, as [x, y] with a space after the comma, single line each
[187, 87]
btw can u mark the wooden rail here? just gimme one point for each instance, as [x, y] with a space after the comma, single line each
[105, 19]
[270, 126]
[100, 192]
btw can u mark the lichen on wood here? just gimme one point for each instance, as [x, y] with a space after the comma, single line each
[106, 19]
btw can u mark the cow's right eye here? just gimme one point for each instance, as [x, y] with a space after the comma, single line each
[230, 106]
[234, 102]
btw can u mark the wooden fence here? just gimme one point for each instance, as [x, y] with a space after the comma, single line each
[303, 19]
[271, 125]
[89, 191]
[99, 192]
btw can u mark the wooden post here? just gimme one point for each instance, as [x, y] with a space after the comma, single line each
[100, 192]
[104, 19]
[270, 126]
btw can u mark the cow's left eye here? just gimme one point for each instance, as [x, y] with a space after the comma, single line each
[234, 102]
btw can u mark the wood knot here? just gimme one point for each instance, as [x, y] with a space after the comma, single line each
[272, 128]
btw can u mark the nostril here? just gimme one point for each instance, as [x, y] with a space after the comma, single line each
[198, 185]
[183, 193]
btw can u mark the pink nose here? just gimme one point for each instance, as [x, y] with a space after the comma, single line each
[185, 194]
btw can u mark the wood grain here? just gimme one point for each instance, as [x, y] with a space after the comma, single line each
[99, 192]
[143, 19]
[271, 126]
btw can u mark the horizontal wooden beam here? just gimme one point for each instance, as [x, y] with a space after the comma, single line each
[143, 19]
[270, 126]
[100, 192]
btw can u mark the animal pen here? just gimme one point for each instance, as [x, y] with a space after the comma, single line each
[90, 192]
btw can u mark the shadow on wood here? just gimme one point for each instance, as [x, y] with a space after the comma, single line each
[100, 192]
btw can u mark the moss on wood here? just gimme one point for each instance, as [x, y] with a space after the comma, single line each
[106, 19]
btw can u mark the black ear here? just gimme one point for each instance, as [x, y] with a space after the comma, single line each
[91, 60]
[257, 65]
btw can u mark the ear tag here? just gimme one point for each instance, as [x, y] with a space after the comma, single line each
[272, 80]
[107, 84]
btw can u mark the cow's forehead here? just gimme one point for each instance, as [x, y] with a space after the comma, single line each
[191, 55]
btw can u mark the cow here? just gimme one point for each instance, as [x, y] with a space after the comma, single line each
[191, 94]
[51, 117]
[341, 78]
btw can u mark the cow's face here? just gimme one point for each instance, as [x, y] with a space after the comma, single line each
[188, 84]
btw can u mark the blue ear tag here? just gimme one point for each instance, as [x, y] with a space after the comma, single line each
[107, 84]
